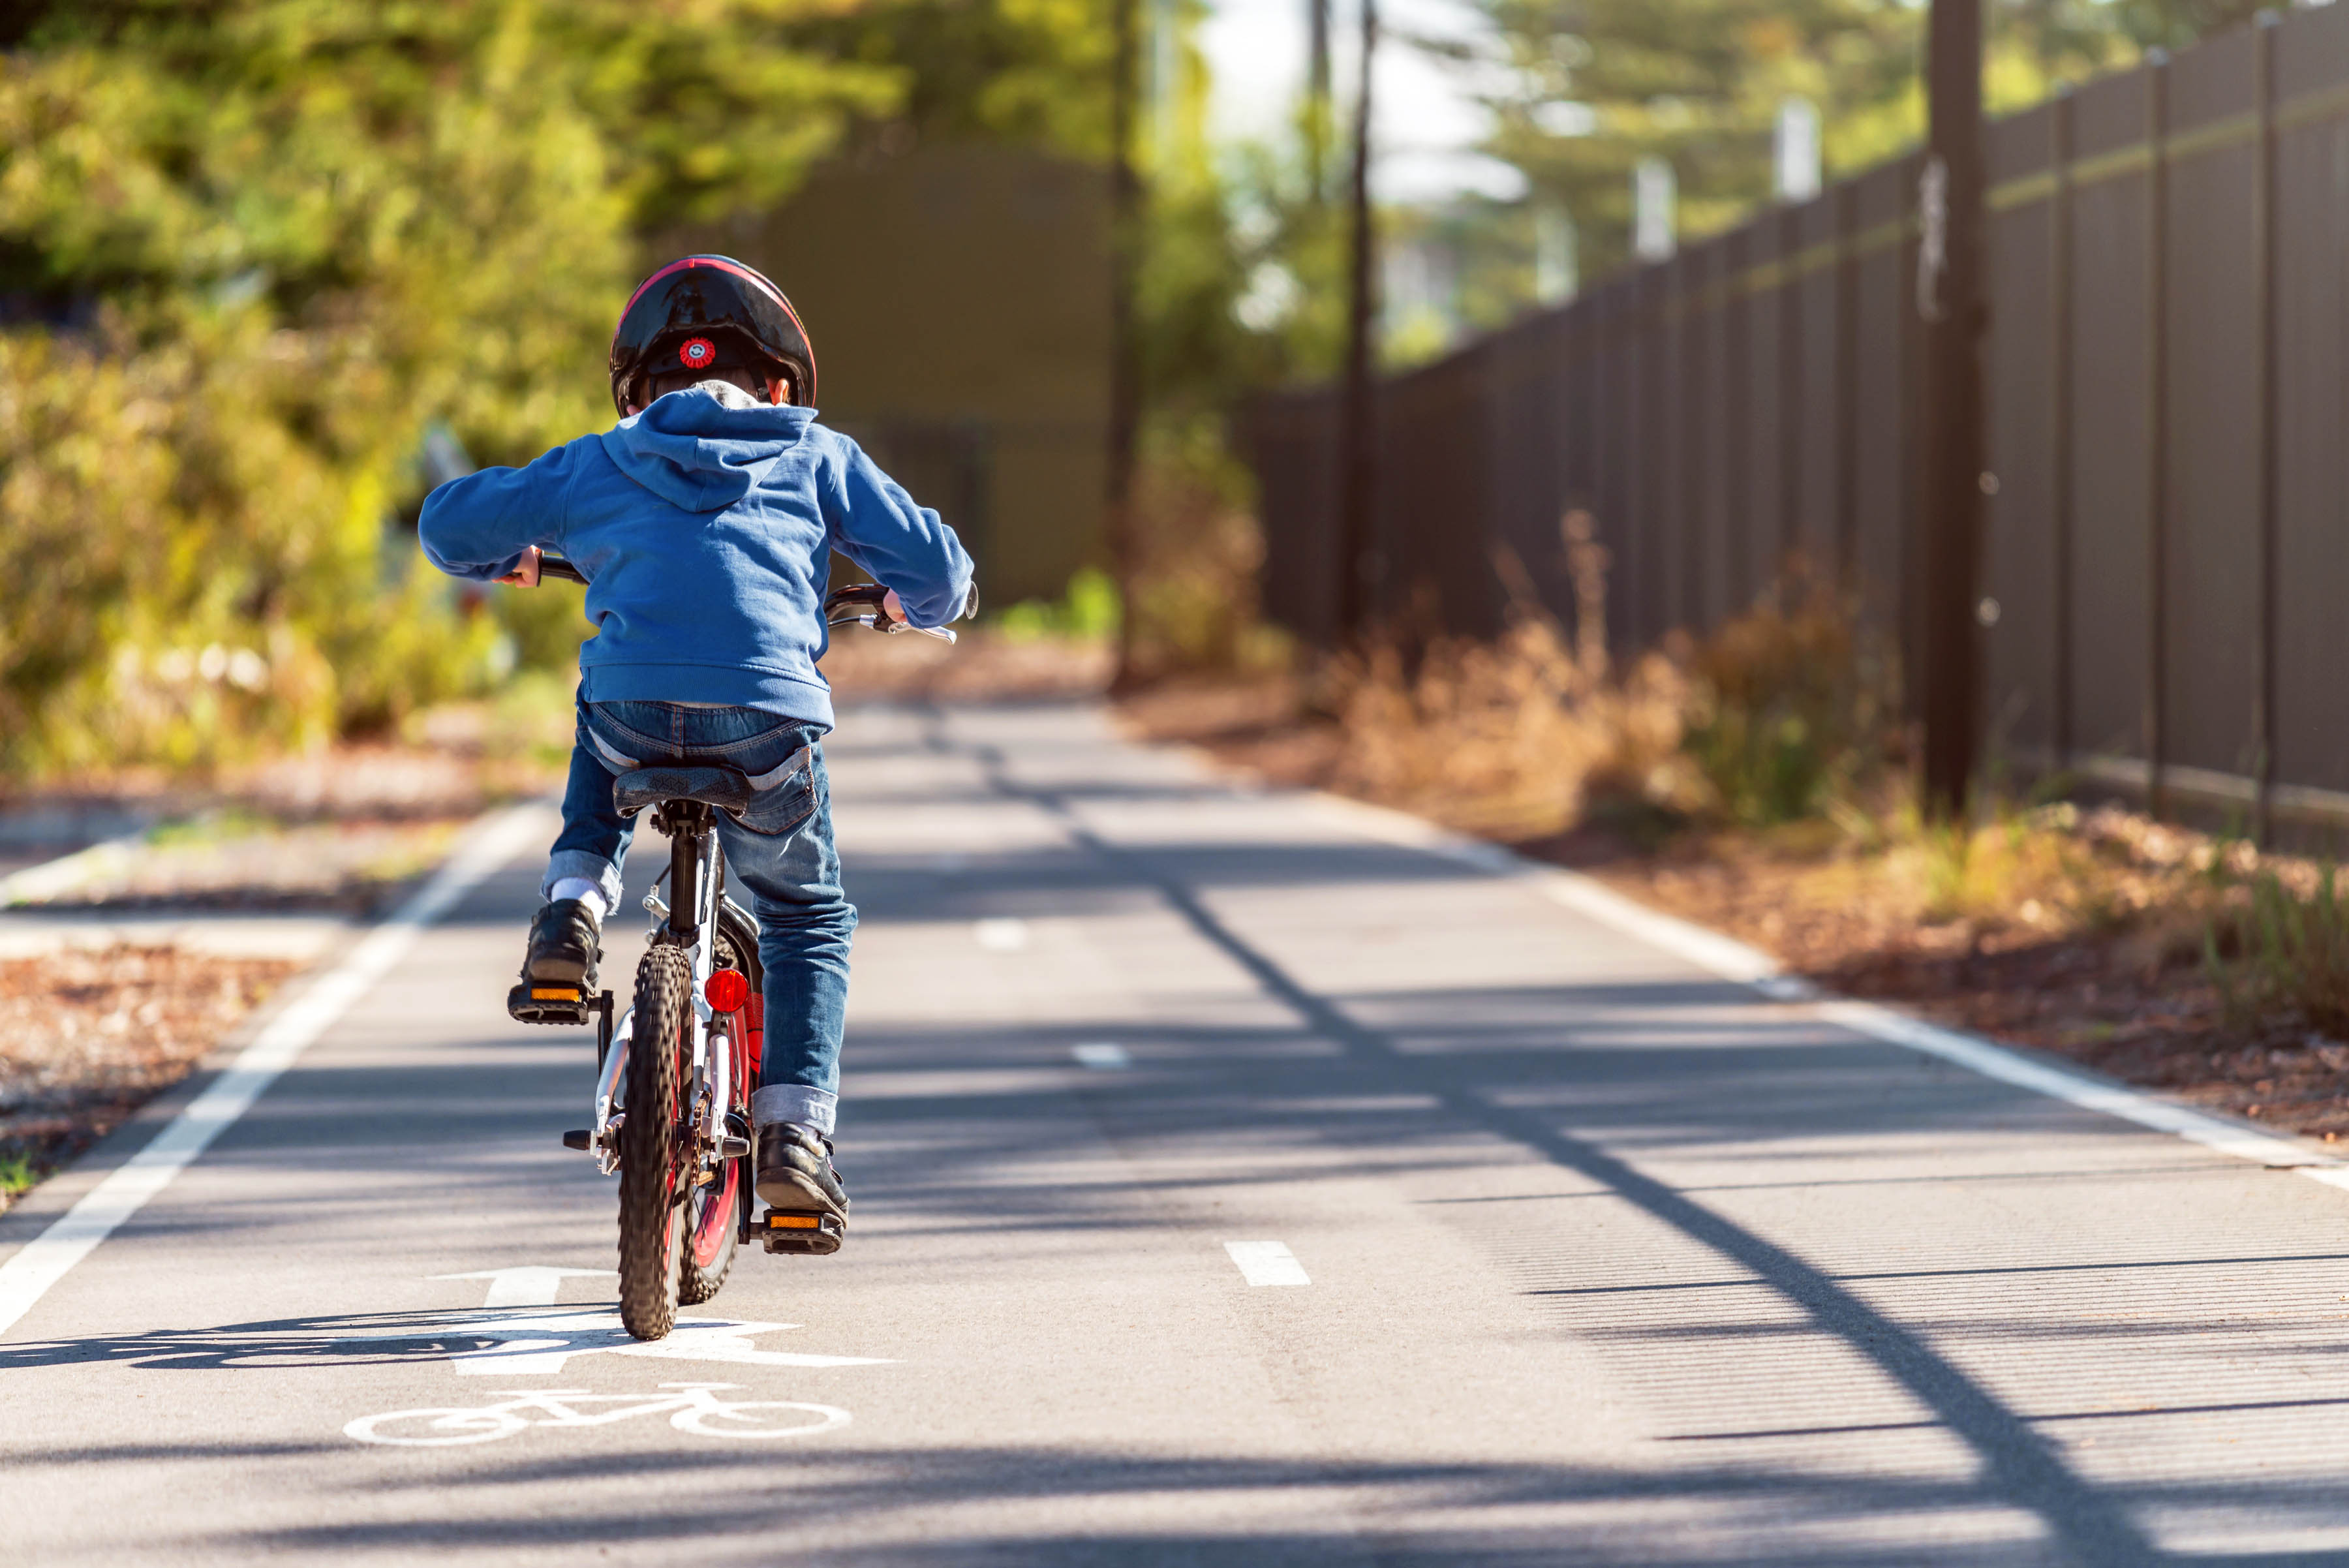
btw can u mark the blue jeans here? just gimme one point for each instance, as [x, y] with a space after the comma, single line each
[781, 850]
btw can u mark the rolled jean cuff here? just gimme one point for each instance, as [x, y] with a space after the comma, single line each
[794, 1103]
[583, 863]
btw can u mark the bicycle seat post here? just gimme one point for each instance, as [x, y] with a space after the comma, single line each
[684, 821]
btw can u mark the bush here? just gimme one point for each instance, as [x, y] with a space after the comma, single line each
[2278, 949]
[1788, 713]
[270, 241]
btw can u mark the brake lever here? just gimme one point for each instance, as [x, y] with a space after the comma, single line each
[943, 633]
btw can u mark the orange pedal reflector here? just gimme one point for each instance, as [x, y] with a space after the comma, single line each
[793, 1221]
[726, 989]
[539, 994]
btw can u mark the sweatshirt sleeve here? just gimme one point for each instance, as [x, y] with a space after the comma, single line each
[876, 524]
[478, 526]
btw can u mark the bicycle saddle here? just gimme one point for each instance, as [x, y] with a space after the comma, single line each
[722, 787]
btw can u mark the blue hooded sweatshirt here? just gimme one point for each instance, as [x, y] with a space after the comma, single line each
[704, 526]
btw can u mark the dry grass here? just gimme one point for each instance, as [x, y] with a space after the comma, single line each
[1758, 782]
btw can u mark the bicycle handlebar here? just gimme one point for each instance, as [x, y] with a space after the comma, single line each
[871, 595]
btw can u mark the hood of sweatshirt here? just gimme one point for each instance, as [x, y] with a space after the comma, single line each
[702, 449]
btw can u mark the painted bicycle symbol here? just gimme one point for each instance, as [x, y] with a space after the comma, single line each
[694, 1407]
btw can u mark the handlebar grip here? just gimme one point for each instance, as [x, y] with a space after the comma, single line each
[556, 567]
[855, 594]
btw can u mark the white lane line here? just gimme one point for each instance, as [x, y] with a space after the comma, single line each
[1000, 936]
[68, 872]
[1266, 1263]
[73, 1235]
[1733, 960]
[1102, 1055]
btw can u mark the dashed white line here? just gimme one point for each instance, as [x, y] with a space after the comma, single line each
[1102, 1055]
[1268, 1263]
[76, 1233]
[1000, 936]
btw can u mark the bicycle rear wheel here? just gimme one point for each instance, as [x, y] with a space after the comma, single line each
[717, 1210]
[652, 1231]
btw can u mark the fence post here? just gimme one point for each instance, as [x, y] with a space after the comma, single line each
[1790, 387]
[1847, 371]
[1648, 338]
[2059, 422]
[1361, 565]
[1737, 513]
[2263, 285]
[1689, 485]
[1951, 301]
[2157, 418]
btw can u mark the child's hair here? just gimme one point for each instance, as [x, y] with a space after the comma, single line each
[753, 382]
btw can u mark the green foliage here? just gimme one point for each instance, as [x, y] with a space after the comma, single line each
[1090, 610]
[277, 239]
[1030, 72]
[2281, 951]
[1594, 86]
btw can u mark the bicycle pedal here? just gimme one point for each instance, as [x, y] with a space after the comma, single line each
[528, 1003]
[579, 1138]
[807, 1233]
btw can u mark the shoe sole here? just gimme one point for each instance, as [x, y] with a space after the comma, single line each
[559, 971]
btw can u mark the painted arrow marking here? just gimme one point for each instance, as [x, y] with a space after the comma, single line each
[531, 1343]
[528, 1342]
[533, 1285]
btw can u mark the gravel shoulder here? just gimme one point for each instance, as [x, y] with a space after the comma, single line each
[146, 916]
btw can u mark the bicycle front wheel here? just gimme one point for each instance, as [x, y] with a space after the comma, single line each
[651, 1149]
[759, 1419]
[436, 1429]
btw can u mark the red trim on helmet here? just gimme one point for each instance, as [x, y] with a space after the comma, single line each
[722, 265]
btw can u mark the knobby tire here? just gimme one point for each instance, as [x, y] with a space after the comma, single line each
[652, 1226]
[703, 1268]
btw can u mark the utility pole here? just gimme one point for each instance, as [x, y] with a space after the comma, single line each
[1317, 102]
[1950, 472]
[1125, 338]
[1358, 565]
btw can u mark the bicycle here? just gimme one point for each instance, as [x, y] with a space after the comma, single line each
[674, 1076]
[697, 1409]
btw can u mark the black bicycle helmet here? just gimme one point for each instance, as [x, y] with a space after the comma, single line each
[709, 313]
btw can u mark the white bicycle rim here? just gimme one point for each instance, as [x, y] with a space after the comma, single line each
[488, 1426]
[827, 1419]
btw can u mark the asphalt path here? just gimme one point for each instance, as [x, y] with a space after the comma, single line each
[1234, 1186]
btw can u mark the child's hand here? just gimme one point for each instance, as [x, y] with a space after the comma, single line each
[524, 575]
[891, 605]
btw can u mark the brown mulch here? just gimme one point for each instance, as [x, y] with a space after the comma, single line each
[88, 1037]
[2131, 1002]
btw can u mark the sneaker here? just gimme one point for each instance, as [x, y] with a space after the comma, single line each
[558, 975]
[563, 945]
[795, 1170]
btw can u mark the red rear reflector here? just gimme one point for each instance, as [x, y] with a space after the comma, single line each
[727, 991]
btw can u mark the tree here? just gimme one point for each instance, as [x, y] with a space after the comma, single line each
[1594, 86]
[287, 235]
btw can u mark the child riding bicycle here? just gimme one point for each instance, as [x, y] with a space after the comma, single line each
[705, 521]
